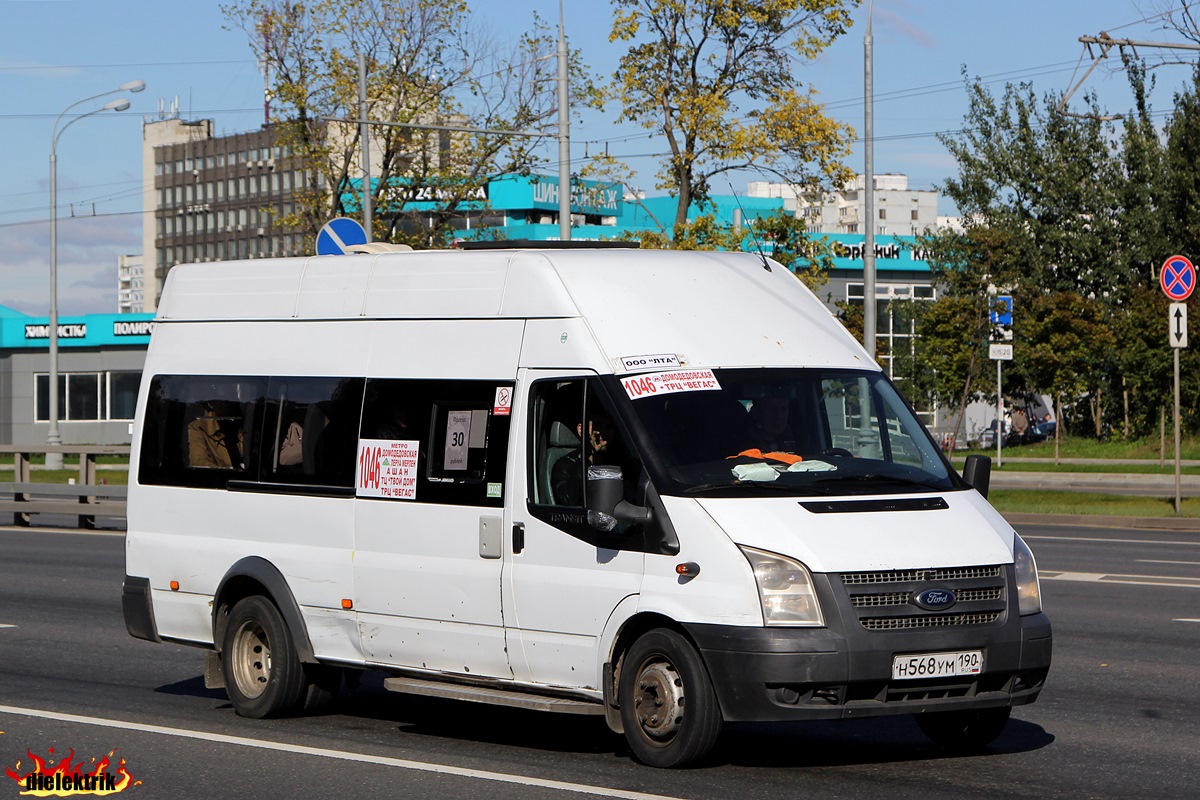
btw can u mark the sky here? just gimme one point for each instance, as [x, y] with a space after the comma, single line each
[54, 53]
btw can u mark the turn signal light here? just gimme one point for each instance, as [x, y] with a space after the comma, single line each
[174, 586]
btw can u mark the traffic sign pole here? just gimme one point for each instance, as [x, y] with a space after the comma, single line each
[999, 414]
[1177, 279]
[1178, 500]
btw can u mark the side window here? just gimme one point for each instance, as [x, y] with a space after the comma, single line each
[557, 418]
[574, 429]
[202, 430]
[311, 431]
[434, 441]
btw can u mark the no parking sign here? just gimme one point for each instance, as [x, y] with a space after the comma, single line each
[1177, 278]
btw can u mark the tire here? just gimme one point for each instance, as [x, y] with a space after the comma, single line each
[964, 730]
[323, 683]
[668, 706]
[263, 675]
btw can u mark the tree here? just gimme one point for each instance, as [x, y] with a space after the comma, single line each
[1182, 195]
[1067, 339]
[953, 332]
[809, 258]
[1049, 181]
[714, 77]
[426, 65]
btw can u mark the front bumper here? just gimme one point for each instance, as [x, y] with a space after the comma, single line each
[770, 674]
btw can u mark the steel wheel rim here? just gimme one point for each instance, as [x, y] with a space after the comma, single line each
[251, 658]
[659, 700]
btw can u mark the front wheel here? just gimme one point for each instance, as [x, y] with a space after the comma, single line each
[668, 707]
[263, 674]
[964, 730]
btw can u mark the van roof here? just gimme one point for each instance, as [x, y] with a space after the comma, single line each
[632, 300]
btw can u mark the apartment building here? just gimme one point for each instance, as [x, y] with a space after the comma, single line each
[899, 210]
[213, 198]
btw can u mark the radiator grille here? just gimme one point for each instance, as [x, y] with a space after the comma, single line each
[920, 575]
[884, 600]
[928, 621]
[901, 598]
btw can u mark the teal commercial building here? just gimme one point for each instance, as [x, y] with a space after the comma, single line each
[100, 359]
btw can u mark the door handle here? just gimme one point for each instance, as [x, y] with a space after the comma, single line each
[518, 536]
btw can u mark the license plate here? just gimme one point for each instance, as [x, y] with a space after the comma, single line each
[937, 665]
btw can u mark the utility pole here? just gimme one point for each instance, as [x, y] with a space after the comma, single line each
[869, 309]
[564, 134]
[364, 134]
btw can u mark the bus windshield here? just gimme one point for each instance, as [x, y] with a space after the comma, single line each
[805, 432]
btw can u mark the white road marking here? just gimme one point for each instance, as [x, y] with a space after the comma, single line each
[363, 758]
[1114, 541]
[1183, 563]
[1186, 620]
[2, 625]
[1132, 580]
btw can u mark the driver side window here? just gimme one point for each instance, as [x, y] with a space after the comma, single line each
[574, 428]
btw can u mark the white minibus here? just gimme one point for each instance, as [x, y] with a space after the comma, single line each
[667, 488]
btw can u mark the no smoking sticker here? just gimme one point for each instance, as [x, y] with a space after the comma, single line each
[502, 405]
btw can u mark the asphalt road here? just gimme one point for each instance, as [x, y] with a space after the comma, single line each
[1117, 719]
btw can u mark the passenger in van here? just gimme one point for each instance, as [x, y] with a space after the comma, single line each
[215, 440]
[566, 477]
[769, 425]
[291, 451]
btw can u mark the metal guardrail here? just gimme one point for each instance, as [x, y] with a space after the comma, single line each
[85, 499]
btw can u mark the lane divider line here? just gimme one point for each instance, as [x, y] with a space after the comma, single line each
[343, 755]
[1132, 580]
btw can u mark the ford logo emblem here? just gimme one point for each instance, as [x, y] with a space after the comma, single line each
[935, 599]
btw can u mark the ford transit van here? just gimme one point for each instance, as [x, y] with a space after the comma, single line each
[667, 488]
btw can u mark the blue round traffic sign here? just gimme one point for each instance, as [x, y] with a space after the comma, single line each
[339, 234]
[1177, 278]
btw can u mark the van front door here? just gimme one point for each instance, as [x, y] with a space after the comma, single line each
[566, 577]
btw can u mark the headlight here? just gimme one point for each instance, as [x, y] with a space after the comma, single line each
[785, 588]
[1029, 592]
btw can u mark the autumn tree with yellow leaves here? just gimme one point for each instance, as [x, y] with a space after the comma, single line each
[715, 79]
[427, 64]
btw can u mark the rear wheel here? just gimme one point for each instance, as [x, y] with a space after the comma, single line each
[668, 707]
[263, 674]
[964, 730]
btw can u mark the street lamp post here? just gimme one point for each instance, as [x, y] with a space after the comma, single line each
[53, 439]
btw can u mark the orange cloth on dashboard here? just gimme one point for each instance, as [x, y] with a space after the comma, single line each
[786, 458]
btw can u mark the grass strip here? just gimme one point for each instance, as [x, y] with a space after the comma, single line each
[1037, 501]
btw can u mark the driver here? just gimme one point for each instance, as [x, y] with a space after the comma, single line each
[566, 478]
[769, 425]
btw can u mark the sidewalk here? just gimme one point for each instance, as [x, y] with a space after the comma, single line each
[1099, 482]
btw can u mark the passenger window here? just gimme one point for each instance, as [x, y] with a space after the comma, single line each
[312, 430]
[451, 438]
[202, 430]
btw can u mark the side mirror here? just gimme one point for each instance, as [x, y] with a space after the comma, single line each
[605, 499]
[977, 472]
